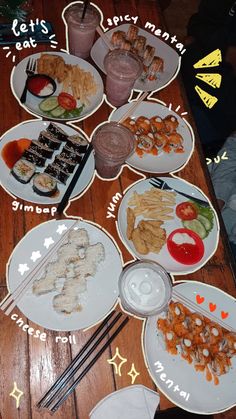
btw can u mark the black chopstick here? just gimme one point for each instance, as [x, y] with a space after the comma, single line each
[89, 366]
[46, 400]
[86, 3]
[75, 178]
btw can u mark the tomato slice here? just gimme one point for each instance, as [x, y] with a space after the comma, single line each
[186, 211]
[66, 101]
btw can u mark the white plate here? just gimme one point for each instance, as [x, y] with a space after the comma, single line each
[204, 396]
[163, 162]
[163, 257]
[32, 103]
[31, 130]
[102, 290]
[163, 50]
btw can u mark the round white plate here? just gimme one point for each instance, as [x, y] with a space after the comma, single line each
[32, 102]
[163, 162]
[163, 257]
[31, 130]
[170, 56]
[204, 396]
[102, 289]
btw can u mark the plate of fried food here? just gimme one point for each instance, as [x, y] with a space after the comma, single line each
[71, 270]
[164, 142]
[190, 349]
[161, 63]
[169, 221]
[63, 87]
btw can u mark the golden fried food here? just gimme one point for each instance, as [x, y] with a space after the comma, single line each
[154, 236]
[157, 232]
[139, 243]
[130, 222]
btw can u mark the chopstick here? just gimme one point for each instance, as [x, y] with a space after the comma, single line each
[133, 107]
[193, 306]
[11, 300]
[89, 366]
[74, 180]
[63, 378]
[104, 37]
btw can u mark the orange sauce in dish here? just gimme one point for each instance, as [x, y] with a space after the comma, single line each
[13, 151]
[208, 374]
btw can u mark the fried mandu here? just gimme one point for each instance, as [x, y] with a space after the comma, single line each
[148, 237]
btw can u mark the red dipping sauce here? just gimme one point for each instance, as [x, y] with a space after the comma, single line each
[41, 85]
[190, 251]
[13, 151]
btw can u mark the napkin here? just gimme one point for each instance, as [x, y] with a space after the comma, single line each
[134, 402]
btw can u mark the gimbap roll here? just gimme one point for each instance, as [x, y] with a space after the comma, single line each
[57, 132]
[44, 184]
[23, 170]
[69, 155]
[66, 165]
[57, 173]
[48, 139]
[41, 149]
[34, 157]
[77, 144]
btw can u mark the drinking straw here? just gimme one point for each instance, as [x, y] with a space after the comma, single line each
[86, 3]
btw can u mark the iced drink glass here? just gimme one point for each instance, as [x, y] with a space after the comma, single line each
[81, 32]
[122, 68]
[113, 144]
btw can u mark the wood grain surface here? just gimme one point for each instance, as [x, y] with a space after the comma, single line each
[34, 364]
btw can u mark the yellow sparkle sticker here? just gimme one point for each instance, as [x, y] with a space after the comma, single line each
[207, 99]
[213, 79]
[133, 374]
[211, 60]
[117, 365]
[16, 393]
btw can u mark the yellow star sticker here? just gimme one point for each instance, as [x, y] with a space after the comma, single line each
[117, 366]
[133, 373]
[16, 393]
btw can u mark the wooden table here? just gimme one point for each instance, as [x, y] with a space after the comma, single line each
[34, 365]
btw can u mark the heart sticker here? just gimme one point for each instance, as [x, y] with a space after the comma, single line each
[199, 299]
[224, 315]
[212, 307]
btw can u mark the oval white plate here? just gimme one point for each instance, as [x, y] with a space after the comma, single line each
[163, 257]
[163, 162]
[19, 76]
[102, 290]
[204, 396]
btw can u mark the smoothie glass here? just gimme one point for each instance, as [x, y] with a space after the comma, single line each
[145, 288]
[113, 144]
[81, 33]
[122, 68]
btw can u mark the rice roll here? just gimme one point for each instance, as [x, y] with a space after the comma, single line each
[132, 33]
[49, 140]
[65, 164]
[148, 55]
[77, 144]
[57, 173]
[41, 149]
[44, 184]
[34, 157]
[58, 132]
[155, 67]
[139, 45]
[69, 155]
[23, 170]
[127, 45]
[117, 38]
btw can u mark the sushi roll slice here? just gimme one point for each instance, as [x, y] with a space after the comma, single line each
[34, 157]
[67, 154]
[143, 124]
[23, 170]
[157, 66]
[57, 173]
[44, 184]
[41, 149]
[49, 140]
[126, 45]
[171, 124]
[148, 55]
[77, 144]
[157, 124]
[132, 33]
[117, 38]
[139, 45]
[66, 165]
[59, 133]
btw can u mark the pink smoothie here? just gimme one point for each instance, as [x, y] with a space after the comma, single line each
[113, 144]
[123, 69]
[81, 32]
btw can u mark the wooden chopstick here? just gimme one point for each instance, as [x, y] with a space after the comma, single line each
[193, 306]
[104, 37]
[74, 180]
[133, 107]
[89, 366]
[13, 298]
[65, 377]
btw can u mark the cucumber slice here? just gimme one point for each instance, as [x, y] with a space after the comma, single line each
[58, 111]
[197, 227]
[207, 224]
[48, 104]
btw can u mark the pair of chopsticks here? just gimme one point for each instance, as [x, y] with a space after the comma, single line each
[195, 307]
[11, 300]
[61, 389]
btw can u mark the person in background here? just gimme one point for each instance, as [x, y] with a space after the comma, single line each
[223, 176]
[212, 27]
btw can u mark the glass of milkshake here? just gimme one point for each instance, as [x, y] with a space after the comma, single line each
[81, 32]
[113, 144]
[122, 68]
